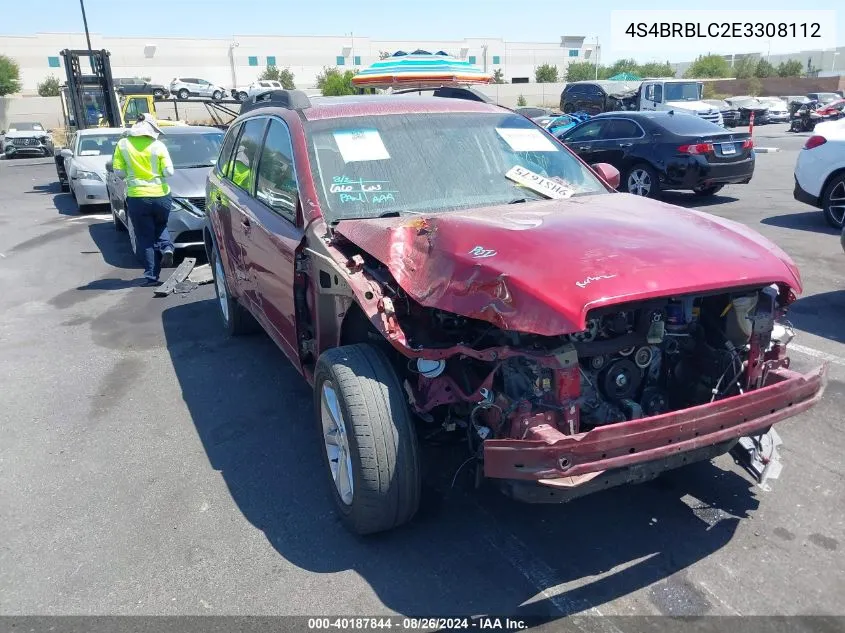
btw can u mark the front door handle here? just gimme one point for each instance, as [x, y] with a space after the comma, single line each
[246, 224]
[625, 144]
[584, 148]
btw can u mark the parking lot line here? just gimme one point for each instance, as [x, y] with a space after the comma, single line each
[809, 351]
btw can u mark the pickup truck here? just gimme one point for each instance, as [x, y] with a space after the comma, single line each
[679, 95]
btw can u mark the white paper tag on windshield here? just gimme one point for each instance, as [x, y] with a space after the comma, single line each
[360, 145]
[90, 152]
[526, 140]
[538, 183]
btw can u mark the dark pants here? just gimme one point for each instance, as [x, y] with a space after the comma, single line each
[149, 221]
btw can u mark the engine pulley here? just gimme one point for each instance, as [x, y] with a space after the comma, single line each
[621, 379]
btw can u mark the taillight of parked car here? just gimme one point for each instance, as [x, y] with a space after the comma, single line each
[747, 144]
[815, 141]
[697, 148]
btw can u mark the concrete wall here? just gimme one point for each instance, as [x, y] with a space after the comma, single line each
[220, 61]
[535, 94]
[45, 110]
[776, 86]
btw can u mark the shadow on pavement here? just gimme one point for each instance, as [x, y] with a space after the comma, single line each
[821, 314]
[114, 246]
[802, 221]
[689, 199]
[465, 552]
[63, 202]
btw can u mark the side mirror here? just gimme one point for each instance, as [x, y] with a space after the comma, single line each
[109, 167]
[608, 173]
[66, 153]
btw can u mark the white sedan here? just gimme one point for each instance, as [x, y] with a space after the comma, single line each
[820, 172]
[84, 162]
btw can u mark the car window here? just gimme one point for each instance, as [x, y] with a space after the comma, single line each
[594, 92]
[621, 128]
[460, 160]
[223, 162]
[276, 182]
[135, 108]
[243, 160]
[654, 92]
[687, 124]
[202, 82]
[588, 132]
[97, 144]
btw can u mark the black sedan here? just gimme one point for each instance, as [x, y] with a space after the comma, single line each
[656, 151]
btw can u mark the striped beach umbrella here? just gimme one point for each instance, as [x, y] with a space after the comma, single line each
[420, 69]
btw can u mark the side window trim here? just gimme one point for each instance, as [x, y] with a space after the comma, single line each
[223, 161]
[625, 138]
[280, 120]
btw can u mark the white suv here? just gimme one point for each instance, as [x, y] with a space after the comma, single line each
[820, 172]
[184, 87]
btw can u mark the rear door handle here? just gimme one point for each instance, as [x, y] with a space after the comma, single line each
[625, 144]
[584, 148]
[246, 224]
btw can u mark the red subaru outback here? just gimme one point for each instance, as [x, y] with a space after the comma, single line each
[443, 265]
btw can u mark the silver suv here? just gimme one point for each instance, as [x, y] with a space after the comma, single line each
[184, 87]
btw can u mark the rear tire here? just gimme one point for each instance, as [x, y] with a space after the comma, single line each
[641, 180]
[568, 108]
[237, 320]
[119, 226]
[217, 95]
[703, 192]
[364, 422]
[158, 94]
[183, 94]
[833, 201]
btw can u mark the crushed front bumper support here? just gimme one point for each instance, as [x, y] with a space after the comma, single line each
[555, 460]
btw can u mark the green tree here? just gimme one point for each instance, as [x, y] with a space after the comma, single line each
[10, 76]
[580, 71]
[655, 69]
[545, 74]
[498, 76]
[325, 74]
[50, 87]
[764, 69]
[623, 66]
[714, 66]
[744, 67]
[337, 84]
[520, 101]
[791, 68]
[283, 75]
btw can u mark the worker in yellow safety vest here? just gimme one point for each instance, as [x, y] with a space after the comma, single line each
[144, 162]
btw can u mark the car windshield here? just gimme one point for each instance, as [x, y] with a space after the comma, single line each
[682, 91]
[26, 127]
[193, 150]
[97, 144]
[373, 166]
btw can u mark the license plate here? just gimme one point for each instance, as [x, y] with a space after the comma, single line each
[728, 148]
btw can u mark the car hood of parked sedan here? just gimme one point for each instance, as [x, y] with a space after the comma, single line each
[26, 134]
[542, 266]
[97, 164]
[188, 183]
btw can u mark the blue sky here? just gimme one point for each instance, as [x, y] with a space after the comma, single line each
[379, 19]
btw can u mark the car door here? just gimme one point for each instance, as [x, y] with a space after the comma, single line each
[202, 88]
[618, 139]
[582, 139]
[232, 201]
[276, 236]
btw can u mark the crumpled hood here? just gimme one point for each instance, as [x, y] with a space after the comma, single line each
[541, 266]
[27, 134]
[692, 106]
[188, 183]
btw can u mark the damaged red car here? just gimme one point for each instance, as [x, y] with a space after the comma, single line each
[442, 265]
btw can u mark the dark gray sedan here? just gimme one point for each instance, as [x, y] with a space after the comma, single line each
[194, 150]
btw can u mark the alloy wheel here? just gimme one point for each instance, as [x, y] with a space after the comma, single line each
[336, 442]
[222, 295]
[836, 209]
[639, 182]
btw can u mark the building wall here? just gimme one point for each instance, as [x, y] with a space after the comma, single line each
[220, 61]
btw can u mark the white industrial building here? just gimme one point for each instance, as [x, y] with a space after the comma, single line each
[240, 59]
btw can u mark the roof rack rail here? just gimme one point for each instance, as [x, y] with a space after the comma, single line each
[290, 99]
[451, 92]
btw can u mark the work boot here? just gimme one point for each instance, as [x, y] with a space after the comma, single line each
[167, 258]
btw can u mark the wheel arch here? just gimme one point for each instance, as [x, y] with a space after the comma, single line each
[836, 172]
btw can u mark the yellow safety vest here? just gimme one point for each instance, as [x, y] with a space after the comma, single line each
[240, 174]
[146, 162]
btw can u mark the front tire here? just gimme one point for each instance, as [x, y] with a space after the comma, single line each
[833, 201]
[237, 321]
[242, 96]
[641, 180]
[370, 446]
[158, 94]
[119, 226]
[217, 95]
[703, 192]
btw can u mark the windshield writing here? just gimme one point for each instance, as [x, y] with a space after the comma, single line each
[428, 163]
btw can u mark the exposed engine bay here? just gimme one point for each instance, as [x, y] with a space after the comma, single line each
[632, 361]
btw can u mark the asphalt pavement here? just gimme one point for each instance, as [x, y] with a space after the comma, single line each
[150, 466]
